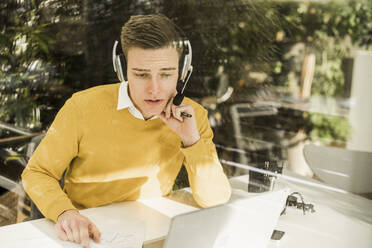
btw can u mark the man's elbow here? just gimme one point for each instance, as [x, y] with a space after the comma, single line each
[210, 199]
[29, 178]
[25, 178]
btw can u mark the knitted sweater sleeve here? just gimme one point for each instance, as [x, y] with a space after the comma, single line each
[208, 182]
[51, 158]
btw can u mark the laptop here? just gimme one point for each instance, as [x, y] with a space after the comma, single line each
[245, 221]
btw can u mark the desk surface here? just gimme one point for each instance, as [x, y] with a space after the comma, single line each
[156, 213]
[340, 220]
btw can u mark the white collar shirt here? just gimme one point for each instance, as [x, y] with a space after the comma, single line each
[124, 101]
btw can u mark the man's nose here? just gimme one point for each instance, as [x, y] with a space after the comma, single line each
[153, 86]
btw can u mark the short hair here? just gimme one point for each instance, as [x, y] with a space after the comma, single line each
[150, 32]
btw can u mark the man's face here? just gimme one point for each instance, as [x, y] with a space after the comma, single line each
[152, 78]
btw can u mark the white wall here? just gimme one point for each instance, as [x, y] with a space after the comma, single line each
[361, 109]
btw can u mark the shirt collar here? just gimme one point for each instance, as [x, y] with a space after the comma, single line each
[124, 101]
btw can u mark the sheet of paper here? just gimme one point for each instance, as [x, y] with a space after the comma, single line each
[113, 240]
[121, 231]
[108, 240]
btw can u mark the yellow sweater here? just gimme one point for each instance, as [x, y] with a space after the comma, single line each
[111, 156]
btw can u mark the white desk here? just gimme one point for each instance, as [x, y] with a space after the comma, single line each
[340, 220]
[157, 219]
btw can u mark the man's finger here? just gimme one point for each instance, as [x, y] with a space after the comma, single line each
[68, 231]
[176, 111]
[168, 108]
[95, 232]
[84, 236]
[60, 232]
[75, 231]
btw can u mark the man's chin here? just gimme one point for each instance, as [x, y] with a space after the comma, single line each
[155, 110]
[151, 114]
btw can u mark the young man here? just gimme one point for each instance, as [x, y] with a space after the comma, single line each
[126, 141]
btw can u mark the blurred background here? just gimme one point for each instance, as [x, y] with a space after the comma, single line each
[286, 83]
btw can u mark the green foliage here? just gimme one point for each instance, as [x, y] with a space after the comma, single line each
[330, 30]
[329, 77]
[49, 49]
[24, 50]
[329, 130]
[353, 19]
[42, 57]
[237, 35]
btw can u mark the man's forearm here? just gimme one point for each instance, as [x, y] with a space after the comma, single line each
[46, 193]
[209, 184]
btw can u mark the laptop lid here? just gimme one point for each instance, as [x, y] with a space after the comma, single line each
[245, 221]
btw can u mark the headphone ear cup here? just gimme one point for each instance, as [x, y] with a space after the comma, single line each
[181, 64]
[125, 68]
[179, 86]
[118, 68]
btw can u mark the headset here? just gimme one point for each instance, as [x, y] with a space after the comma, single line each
[120, 67]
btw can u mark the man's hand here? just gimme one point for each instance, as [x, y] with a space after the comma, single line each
[72, 226]
[185, 127]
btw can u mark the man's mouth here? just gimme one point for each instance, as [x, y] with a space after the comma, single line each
[153, 102]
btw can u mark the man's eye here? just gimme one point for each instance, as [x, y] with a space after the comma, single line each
[166, 75]
[141, 75]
